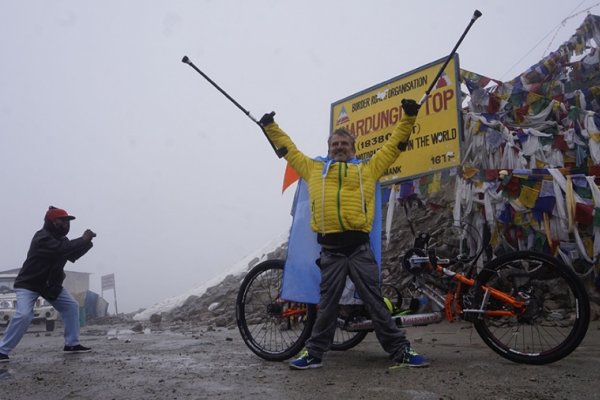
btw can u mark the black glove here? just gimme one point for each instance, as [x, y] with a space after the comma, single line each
[267, 119]
[410, 107]
[88, 235]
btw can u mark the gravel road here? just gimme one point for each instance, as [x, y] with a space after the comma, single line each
[204, 363]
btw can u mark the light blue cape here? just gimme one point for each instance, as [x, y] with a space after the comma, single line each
[301, 275]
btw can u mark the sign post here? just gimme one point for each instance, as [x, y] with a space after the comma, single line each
[108, 282]
[435, 142]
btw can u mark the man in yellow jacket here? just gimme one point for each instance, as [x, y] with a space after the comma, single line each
[342, 201]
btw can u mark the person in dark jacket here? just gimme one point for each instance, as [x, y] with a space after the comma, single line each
[43, 274]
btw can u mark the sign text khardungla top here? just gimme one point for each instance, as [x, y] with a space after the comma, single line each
[372, 114]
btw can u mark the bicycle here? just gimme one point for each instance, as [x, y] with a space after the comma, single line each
[527, 307]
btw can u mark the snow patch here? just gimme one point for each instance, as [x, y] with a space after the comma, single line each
[170, 303]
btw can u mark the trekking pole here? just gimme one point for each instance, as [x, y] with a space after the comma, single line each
[281, 151]
[476, 15]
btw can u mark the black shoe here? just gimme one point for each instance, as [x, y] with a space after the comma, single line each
[4, 358]
[77, 349]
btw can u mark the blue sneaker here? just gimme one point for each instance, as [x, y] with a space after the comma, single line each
[306, 361]
[411, 359]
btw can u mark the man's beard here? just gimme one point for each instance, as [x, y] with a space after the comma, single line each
[341, 156]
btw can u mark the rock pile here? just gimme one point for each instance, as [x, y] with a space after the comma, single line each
[216, 306]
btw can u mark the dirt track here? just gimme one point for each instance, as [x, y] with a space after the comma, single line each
[198, 363]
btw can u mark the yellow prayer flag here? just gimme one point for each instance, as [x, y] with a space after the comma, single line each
[469, 172]
[519, 219]
[555, 106]
[532, 98]
[435, 184]
[528, 196]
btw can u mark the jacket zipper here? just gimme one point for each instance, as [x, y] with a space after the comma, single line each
[339, 194]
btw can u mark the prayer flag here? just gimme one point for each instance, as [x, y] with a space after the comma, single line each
[528, 196]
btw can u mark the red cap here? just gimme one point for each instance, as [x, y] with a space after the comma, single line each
[54, 213]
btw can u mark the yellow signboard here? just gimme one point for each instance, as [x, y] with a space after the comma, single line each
[372, 114]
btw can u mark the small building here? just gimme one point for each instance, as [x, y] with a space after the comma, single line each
[75, 282]
[7, 281]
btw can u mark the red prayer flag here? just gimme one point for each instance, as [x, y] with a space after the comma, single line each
[560, 143]
[493, 104]
[584, 214]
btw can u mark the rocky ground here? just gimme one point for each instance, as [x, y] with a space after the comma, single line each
[185, 361]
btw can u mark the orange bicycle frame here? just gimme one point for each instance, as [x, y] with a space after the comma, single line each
[493, 293]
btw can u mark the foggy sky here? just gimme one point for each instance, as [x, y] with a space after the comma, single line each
[98, 115]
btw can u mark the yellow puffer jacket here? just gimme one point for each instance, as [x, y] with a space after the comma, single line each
[342, 196]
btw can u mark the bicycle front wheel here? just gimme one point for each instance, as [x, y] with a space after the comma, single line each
[274, 329]
[556, 314]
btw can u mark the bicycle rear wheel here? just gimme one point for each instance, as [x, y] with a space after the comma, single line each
[557, 312]
[274, 329]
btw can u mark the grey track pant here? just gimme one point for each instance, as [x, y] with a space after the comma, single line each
[363, 270]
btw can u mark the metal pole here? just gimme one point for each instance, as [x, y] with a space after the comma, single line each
[476, 15]
[115, 294]
[280, 152]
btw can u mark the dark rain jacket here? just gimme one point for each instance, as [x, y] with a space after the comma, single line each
[46, 259]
